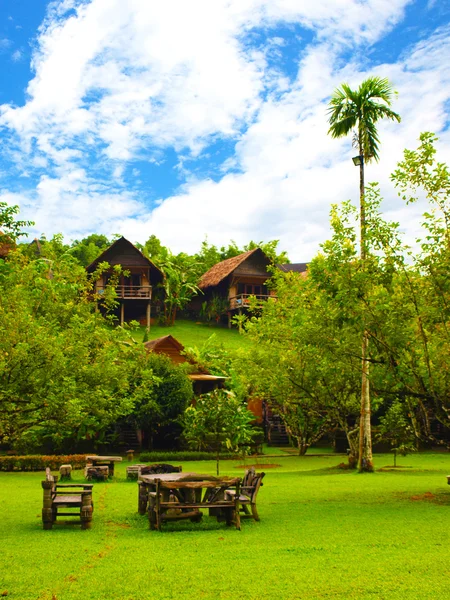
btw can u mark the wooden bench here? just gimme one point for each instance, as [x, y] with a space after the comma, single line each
[249, 490]
[65, 496]
[176, 500]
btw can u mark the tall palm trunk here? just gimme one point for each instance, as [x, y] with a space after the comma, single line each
[365, 433]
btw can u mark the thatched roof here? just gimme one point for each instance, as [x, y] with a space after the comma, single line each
[218, 272]
[161, 342]
[172, 348]
[294, 267]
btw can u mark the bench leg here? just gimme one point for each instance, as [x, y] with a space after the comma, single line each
[47, 518]
[142, 498]
[152, 514]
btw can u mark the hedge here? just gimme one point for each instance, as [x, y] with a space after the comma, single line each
[40, 462]
[155, 456]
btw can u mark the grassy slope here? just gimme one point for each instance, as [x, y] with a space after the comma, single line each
[190, 333]
[324, 533]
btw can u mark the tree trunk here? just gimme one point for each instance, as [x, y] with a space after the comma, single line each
[365, 434]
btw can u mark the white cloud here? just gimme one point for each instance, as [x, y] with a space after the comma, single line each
[17, 56]
[118, 80]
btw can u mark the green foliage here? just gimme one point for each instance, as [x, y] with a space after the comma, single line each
[360, 110]
[63, 374]
[395, 429]
[10, 228]
[213, 309]
[172, 457]
[40, 462]
[161, 391]
[218, 421]
[89, 248]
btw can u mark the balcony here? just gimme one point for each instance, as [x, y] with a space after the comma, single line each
[130, 292]
[243, 300]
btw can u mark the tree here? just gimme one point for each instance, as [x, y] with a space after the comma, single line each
[218, 421]
[161, 391]
[395, 429]
[63, 374]
[359, 111]
[10, 228]
[89, 248]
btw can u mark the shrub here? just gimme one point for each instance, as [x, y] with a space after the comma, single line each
[39, 462]
[181, 455]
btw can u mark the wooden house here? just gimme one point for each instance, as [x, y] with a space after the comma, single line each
[236, 279]
[202, 381]
[134, 291]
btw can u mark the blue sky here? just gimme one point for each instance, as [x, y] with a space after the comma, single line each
[193, 119]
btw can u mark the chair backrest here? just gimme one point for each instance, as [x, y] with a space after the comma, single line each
[248, 477]
[255, 485]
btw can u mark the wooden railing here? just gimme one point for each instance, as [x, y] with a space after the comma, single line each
[130, 291]
[242, 300]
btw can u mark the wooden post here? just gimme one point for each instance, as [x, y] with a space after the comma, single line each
[229, 319]
[122, 313]
[148, 314]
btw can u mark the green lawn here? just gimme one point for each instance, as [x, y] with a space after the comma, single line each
[324, 533]
[190, 333]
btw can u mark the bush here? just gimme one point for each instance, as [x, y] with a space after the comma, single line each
[41, 462]
[183, 455]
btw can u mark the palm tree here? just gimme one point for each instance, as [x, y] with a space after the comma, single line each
[359, 111]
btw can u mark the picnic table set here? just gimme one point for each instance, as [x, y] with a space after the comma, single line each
[165, 494]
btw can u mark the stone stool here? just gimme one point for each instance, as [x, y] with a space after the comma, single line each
[65, 472]
[133, 471]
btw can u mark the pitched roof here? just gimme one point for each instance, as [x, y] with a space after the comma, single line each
[154, 344]
[172, 348]
[294, 267]
[218, 272]
[111, 249]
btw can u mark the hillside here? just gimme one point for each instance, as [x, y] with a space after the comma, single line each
[190, 333]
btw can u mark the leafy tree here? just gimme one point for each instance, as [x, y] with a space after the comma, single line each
[395, 428]
[10, 227]
[359, 111]
[63, 374]
[89, 248]
[218, 421]
[161, 392]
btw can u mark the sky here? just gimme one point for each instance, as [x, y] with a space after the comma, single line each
[194, 119]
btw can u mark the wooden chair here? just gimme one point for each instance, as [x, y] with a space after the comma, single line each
[249, 490]
[68, 495]
[176, 500]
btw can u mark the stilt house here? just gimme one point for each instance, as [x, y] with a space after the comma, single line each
[134, 291]
[234, 280]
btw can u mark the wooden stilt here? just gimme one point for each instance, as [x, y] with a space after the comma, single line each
[148, 315]
[122, 313]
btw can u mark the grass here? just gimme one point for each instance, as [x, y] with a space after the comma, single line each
[324, 533]
[190, 333]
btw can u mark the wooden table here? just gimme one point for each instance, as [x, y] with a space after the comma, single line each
[147, 484]
[104, 460]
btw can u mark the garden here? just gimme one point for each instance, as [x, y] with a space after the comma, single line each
[325, 532]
